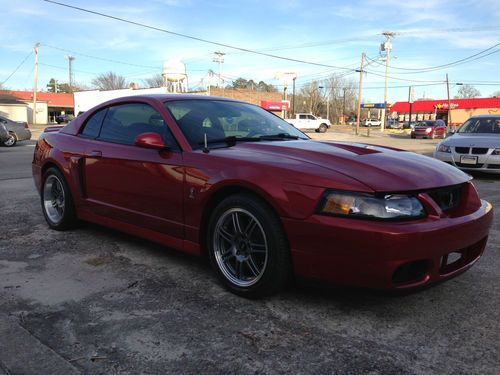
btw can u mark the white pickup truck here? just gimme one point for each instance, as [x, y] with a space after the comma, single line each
[308, 121]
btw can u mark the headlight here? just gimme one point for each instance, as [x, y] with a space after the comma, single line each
[444, 148]
[496, 151]
[428, 130]
[360, 205]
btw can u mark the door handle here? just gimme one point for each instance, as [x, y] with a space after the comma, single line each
[95, 154]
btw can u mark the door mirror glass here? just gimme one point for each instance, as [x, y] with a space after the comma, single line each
[150, 140]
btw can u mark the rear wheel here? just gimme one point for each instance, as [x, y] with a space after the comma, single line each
[248, 248]
[323, 128]
[57, 202]
[11, 141]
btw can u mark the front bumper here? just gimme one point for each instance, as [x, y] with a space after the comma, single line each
[485, 162]
[387, 255]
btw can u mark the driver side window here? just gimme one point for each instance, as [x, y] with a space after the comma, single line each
[124, 122]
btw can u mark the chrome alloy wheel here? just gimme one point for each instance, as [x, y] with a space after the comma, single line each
[11, 141]
[53, 199]
[240, 247]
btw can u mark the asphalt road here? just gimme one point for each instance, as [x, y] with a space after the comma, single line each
[96, 301]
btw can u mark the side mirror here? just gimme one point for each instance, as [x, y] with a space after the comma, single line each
[450, 133]
[150, 140]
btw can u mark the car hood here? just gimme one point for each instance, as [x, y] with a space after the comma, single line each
[380, 168]
[473, 140]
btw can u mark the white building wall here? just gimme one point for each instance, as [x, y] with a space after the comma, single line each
[85, 100]
[15, 112]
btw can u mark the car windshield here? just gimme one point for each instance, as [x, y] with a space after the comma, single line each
[427, 123]
[220, 119]
[484, 125]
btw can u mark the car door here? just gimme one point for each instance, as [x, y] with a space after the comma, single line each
[132, 184]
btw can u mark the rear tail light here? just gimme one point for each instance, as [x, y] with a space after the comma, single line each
[26, 126]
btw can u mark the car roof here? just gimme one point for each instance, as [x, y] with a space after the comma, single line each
[494, 115]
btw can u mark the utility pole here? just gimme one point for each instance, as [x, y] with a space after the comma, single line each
[293, 97]
[219, 59]
[449, 102]
[386, 46]
[410, 101]
[35, 84]
[360, 90]
[343, 106]
[71, 77]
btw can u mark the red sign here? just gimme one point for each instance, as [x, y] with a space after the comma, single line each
[283, 105]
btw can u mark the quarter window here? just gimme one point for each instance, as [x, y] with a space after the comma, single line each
[93, 124]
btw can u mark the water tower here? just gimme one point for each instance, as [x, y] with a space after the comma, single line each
[174, 76]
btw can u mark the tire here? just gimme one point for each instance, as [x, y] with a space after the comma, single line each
[413, 137]
[322, 128]
[57, 202]
[11, 141]
[248, 248]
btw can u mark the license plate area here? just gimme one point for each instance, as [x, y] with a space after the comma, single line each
[468, 159]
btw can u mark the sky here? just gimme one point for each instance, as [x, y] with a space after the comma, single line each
[429, 33]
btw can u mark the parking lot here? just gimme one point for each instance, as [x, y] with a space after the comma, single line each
[96, 301]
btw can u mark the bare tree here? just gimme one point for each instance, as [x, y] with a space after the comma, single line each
[467, 91]
[109, 81]
[310, 98]
[340, 97]
[154, 81]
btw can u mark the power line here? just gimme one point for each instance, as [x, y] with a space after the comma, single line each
[101, 58]
[193, 37]
[439, 67]
[17, 68]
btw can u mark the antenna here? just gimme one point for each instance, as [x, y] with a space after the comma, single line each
[205, 148]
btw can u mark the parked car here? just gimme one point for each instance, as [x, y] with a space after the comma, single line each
[409, 125]
[371, 122]
[264, 202]
[394, 124]
[351, 121]
[475, 146]
[18, 131]
[429, 129]
[307, 121]
[64, 118]
[4, 133]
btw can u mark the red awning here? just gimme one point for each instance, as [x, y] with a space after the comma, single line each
[442, 105]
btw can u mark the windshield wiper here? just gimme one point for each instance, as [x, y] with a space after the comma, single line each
[230, 141]
[279, 136]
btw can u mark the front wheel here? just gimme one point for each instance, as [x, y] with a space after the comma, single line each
[11, 141]
[248, 248]
[57, 202]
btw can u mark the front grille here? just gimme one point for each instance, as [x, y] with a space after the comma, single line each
[479, 150]
[493, 166]
[462, 165]
[462, 150]
[447, 198]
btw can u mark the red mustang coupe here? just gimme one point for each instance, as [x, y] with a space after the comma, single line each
[228, 179]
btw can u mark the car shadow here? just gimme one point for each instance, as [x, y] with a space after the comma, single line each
[303, 289]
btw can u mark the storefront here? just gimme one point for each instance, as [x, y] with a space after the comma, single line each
[460, 109]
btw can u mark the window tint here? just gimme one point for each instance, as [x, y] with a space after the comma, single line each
[93, 124]
[302, 117]
[125, 122]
